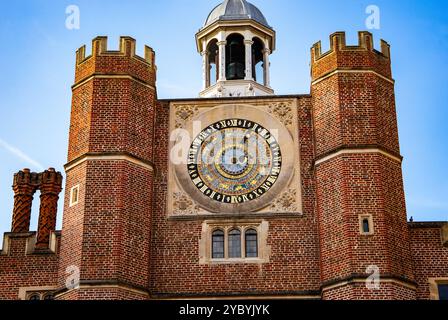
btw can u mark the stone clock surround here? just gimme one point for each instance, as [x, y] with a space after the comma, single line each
[255, 115]
[184, 198]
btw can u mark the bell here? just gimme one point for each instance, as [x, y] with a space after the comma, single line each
[235, 71]
[235, 43]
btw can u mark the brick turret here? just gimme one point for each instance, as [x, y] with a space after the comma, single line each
[107, 229]
[361, 205]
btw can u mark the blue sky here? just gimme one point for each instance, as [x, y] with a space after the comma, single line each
[38, 54]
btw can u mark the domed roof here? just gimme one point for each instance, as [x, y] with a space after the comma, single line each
[236, 10]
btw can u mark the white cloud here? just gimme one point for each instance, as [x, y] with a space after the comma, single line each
[21, 155]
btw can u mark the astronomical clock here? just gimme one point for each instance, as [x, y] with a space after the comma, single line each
[234, 159]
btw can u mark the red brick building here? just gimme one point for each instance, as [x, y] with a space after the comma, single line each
[240, 193]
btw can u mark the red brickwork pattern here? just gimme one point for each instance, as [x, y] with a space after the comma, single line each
[20, 269]
[394, 206]
[111, 113]
[122, 118]
[51, 186]
[430, 257]
[359, 291]
[117, 222]
[22, 212]
[25, 185]
[353, 185]
[355, 109]
[73, 224]
[47, 219]
[80, 121]
[122, 62]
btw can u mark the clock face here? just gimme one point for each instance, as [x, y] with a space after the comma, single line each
[234, 161]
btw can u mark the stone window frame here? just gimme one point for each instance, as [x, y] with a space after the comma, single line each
[71, 202]
[205, 242]
[362, 218]
[26, 292]
[434, 287]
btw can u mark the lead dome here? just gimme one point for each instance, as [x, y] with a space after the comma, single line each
[236, 10]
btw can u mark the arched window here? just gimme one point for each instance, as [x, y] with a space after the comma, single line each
[251, 243]
[49, 296]
[213, 61]
[218, 244]
[235, 243]
[34, 297]
[257, 60]
[235, 57]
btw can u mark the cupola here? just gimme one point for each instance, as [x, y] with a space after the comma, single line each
[235, 43]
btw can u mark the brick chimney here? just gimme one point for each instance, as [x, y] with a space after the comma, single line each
[25, 185]
[50, 187]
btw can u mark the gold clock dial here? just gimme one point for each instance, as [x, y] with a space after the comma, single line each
[234, 161]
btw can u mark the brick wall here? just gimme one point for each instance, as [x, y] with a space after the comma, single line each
[73, 223]
[429, 255]
[294, 260]
[19, 268]
[352, 185]
[358, 291]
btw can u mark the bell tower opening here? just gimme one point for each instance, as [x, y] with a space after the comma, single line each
[213, 63]
[235, 57]
[258, 61]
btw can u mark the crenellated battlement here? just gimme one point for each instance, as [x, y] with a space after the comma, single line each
[338, 43]
[122, 62]
[361, 57]
[126, 49]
